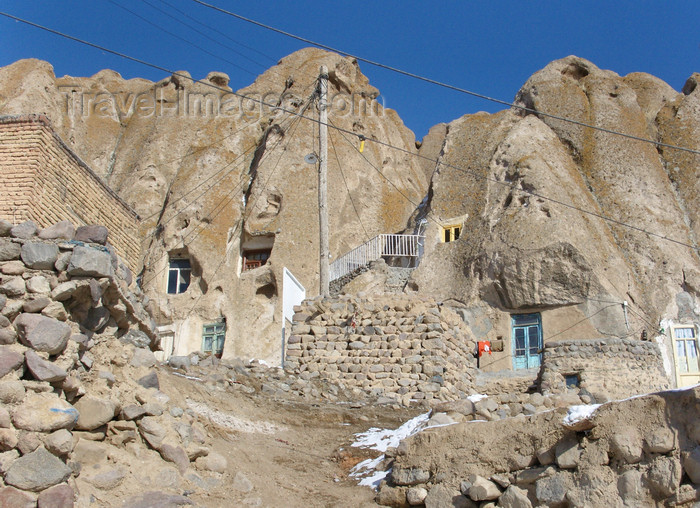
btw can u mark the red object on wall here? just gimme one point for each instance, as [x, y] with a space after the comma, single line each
[484, 347]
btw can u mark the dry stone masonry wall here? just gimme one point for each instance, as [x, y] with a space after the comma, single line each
[44, 181]
[401, 348]
[79, 391]
[605, 369]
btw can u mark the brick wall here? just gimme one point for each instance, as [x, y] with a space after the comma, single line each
[43, 180]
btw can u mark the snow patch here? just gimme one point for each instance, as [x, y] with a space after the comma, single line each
[381, 440]
[576, 414]
[477, 397]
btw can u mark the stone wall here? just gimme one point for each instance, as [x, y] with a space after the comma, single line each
[403, 348]
[605, 368]
[44, 181]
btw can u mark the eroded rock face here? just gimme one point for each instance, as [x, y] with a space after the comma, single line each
[213, 175]
[533, 193]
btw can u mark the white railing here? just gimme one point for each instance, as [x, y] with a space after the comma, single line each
[380, 245]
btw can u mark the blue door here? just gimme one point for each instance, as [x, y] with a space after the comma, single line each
[527, 341]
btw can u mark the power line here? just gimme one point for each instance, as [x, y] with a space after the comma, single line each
[345, 183]
[349, 132]
[440, 83]
[180, 38]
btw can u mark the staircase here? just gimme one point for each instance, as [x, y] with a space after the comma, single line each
[407, 247]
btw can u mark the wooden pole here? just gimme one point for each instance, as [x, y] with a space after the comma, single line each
[324, 269]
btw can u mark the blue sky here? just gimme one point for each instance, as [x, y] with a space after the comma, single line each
[487, 47]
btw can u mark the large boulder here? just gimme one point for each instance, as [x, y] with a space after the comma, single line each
[44, 412]
[9, 250]
[43, 370]
[63, 230]
[94, 412]
[37, 471]
[87, 261]
[9, 360]
[42, 333]
[91, 234]
[39, 255]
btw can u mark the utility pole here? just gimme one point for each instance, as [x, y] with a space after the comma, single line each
[324, 272]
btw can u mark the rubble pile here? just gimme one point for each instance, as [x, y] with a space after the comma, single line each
[81, 412]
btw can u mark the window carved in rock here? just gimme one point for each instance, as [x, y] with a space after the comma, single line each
[179, 274]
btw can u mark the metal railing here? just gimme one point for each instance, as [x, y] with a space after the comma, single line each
[380, 245]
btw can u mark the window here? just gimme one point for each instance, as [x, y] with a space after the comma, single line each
[255, 258]
[527, 340]
[685, 348]
[451, 233]
[179, 276]
[213, 337]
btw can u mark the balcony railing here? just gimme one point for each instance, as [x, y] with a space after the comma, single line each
[380, 245]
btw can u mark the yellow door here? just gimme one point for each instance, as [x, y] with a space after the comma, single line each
[685, 349]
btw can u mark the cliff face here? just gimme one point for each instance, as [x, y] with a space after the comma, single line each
[212, 175]
[531, 192]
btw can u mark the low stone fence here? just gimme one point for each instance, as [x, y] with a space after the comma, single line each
[605, 368]
[402, 348]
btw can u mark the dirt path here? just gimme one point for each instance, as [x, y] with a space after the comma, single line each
[293, 454]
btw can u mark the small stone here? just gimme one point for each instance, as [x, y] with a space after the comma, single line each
[63, 230]
[10, 497]
[691, 465]
[25, 230]
[36, 305]
[150, 380]
[143, 358]
[5, 227]
[94, 412]
[176, 455]
[626, 445]
[11, 391]
[6, 460]
[661, 440]
[87, 261]
[138, 339]
[42, 333]
[44, 412]
[14, 287]
[37, 471]
[442, 496]
[152, 431]
[212, 462]
[58, 496]
[8, 439]
[60, 443]
[55, 310]
[13, 268]
[91, 234]
[416, 496]
[241, 483]
[43, 370]
[514, 497]
[106, 480]
[483, 489]
[10, 360]
[567, 452]
[39, 255]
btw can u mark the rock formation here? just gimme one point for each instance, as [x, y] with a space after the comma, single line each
[213, 174]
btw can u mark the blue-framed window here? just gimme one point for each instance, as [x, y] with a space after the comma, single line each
[527, 340]
[213, 338]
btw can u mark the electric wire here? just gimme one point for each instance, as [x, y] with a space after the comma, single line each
[228, 248]
[211, 215]
[340, 129]
[186, 41]
[345, 183]
[440, 83]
